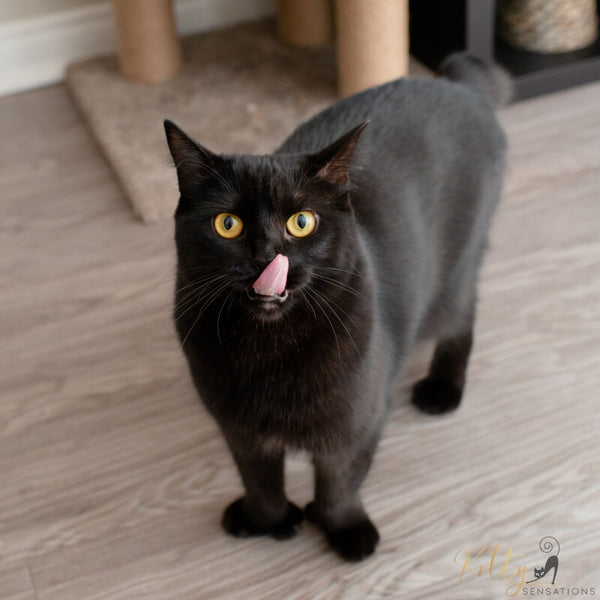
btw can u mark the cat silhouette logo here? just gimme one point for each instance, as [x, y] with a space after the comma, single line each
[548, 545]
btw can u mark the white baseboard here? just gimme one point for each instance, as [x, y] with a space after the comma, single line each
[35, 52]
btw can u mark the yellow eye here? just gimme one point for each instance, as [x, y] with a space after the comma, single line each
[228, 226]
[301, 224]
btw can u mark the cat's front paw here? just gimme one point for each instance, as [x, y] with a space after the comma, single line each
[435, 397]
[238, 523]
[353, 542]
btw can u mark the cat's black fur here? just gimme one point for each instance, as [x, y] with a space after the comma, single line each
[403, 206]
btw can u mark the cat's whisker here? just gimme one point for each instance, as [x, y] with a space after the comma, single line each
[330, 301]
[219, 316]
[339, 284]
[202, 269]
[187, 335]
[192, 300]
[152, 285]
[333, 311]
[198, 294]
[231, 297]
[179, 302]
[200, 280]
[210, 300]
[355, 272]
[195, 294]
[310, 291]
[212, 296]
[169, 277]
[199, 284]
[204, 275]
[306, 298]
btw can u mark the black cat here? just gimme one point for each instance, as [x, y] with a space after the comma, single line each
[551, 563]
[306, 278]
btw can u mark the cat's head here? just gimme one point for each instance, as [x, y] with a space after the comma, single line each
[538, 572]
[267, 232]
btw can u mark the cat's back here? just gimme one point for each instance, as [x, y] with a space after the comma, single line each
[405, 115]
[431, 146]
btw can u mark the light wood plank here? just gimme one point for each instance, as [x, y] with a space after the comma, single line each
[113, 477]
[16, 582]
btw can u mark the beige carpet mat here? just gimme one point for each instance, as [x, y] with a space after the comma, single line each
[240, 91]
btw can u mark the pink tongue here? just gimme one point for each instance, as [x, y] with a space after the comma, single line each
[273, 279]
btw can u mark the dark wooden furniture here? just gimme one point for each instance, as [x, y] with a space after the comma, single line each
[439, 27]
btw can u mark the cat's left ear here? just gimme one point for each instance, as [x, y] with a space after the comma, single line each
[333, 162]
[192, 161]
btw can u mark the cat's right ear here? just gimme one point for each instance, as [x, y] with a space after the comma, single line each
[192, 161]
[332, 164]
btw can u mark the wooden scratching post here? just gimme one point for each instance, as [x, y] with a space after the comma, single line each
[148, 45]
[372, 37]
[305, 22]
[372, 43]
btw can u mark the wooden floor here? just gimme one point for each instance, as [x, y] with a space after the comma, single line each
[113, 479]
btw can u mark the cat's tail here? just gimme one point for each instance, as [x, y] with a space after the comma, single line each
[487, 78]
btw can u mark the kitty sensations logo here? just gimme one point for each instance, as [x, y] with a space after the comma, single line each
[496, 563]
[550, 545]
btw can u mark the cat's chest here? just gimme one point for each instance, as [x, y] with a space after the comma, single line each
[270, 375]
[291, 380]
[269, 365]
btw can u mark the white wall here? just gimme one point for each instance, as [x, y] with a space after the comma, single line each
[15, 10]
[39, 38]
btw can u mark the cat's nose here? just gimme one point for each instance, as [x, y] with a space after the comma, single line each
[263, 255]
[258, 266]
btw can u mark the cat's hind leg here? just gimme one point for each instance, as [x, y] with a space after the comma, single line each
[441, 391]
[264, 510]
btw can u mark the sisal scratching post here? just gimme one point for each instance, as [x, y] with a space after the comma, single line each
[149, 50]
[305, 22]
[372, 43]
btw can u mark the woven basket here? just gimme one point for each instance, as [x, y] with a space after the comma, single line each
[548, 26]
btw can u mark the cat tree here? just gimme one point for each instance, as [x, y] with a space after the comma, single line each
[148, 47]
[372, 38]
